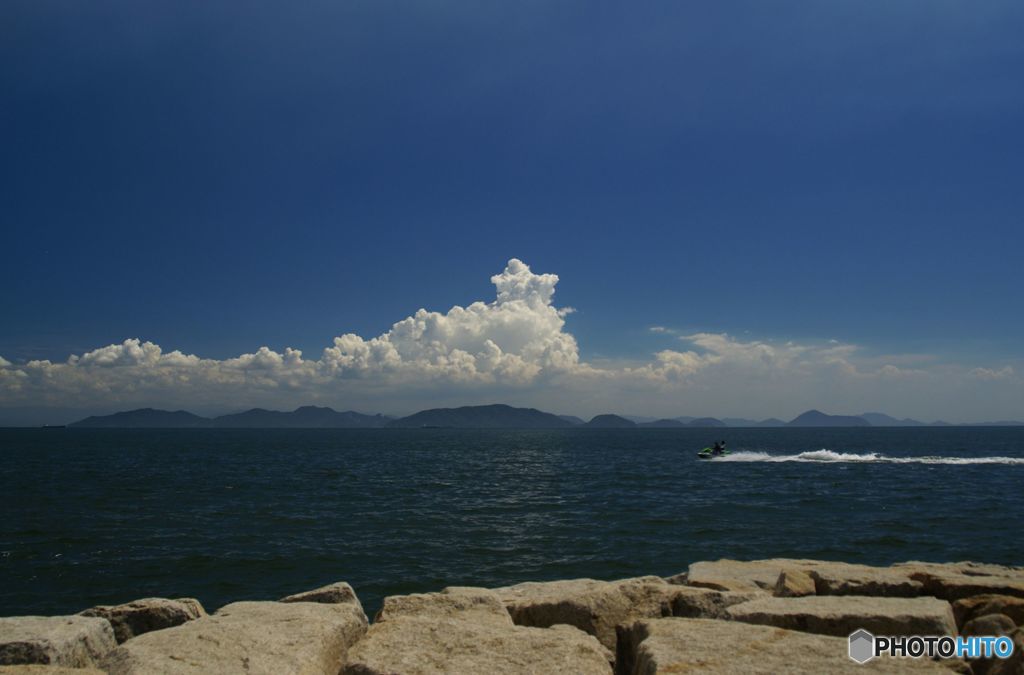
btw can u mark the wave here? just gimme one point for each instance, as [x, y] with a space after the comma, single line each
[827, 456]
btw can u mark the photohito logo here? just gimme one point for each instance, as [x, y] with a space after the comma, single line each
[864, 646]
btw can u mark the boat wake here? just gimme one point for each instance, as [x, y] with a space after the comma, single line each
[828, 456]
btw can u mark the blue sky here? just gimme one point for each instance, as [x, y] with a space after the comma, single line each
[215, 180]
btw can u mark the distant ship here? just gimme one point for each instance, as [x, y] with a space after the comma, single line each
[55, 426]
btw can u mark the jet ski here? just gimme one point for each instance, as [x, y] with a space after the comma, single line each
[710, 453]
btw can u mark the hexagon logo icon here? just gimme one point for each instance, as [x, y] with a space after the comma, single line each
[862, 646]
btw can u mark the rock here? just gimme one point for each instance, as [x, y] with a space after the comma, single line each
[954, 586]
[47, 670]
[972, 569]
[463, 602]
[846, 579]
[676, 645]
[72, 641]
[703, 603]
[1011, 666]
[794, 584]
[594, 607]
[148, 614]
[332, 594]
[467, 630]
[990, 624]
[248, 637]
[680, 579]
[967, 608]
[841, 616]
[830, 578]
[737, 575]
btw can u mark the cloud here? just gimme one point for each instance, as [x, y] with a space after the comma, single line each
[513, 348]
[990, 374]
[515, 340]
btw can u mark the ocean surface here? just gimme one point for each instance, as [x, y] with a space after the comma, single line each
[107, 516]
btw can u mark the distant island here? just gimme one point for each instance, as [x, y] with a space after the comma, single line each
[816, 418]
[608, 421]
[494, 416]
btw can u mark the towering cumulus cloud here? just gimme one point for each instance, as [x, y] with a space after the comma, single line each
[515, 339]
[514, 348]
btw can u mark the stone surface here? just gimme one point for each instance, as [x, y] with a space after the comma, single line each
[841, 616]
[594, 607]
[966, 609]
[676, 645]
[703, 603]
[332, 594]
[954, 586]
[273, 638]
[846, 579]
[467, 630]
[794, 584]
[969, 568]
[1011, 666]
[48, 670]
[149, 614]
[830, 578]
[680, 579]
[462, 602]
[73, 641]
[990, 624]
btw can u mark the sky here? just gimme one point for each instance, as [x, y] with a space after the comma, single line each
[728, 208]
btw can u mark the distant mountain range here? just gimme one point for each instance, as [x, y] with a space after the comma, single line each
[496, 416]
[145, 418]
[882, 420]
[306, 417]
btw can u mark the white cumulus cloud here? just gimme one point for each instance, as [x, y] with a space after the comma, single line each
[513, 348]
[992, 374]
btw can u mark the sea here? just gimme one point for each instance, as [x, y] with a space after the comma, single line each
[107, 516]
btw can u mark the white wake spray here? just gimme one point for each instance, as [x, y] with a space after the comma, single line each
[829, 456]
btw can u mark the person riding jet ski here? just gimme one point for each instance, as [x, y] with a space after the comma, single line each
[718, 449]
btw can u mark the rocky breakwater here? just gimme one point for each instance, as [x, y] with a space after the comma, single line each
[764, 616]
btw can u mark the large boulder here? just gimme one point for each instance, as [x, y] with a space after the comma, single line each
[594, 607]
[149, 614]
[990, 624]
[247, 638]
[953, 585]
[332, 594]
[830, 578]
[740, 575]
[1011, 666]
[467, 630]
[847, 579]
[72, 641]
[841, 616]
[465, 603]
[676, 645]
[794, 584]
[48, 670]
[966, 609]
[703, 603]
[973, 569]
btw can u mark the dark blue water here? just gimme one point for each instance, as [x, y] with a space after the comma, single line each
[103, 516]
